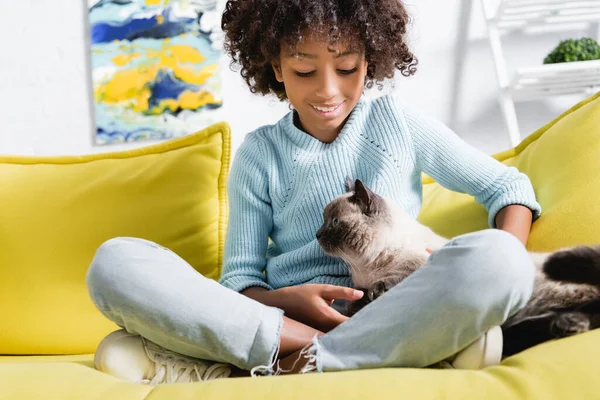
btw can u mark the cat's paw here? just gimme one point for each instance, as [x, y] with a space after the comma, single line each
[378, 289]
[352, 307]
[569, 323]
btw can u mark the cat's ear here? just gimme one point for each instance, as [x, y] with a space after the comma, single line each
[349, 184]
[363, 196]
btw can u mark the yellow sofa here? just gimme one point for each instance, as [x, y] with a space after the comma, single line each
[55, 211]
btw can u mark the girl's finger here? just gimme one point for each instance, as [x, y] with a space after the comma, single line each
[335, 317]
[332, 292]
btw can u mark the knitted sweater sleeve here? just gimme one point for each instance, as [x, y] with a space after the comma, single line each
[250, 219]
[460, 167]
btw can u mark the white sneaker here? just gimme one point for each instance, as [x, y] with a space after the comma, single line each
[484, 352]
[139, 360]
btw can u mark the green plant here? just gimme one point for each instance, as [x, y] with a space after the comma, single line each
[574, 50]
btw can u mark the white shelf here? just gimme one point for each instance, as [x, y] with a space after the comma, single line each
[529, 14]
[547, 80]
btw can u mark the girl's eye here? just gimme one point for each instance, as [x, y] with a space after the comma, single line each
[341, 71]
[347, 71]
[335, 221]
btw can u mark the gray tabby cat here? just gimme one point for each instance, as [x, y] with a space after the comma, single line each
[383, 245]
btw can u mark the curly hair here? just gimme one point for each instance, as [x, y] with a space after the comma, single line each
[255, 29]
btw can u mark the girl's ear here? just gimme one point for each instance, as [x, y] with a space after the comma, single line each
[277, 70]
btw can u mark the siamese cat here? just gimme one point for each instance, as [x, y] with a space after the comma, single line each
[383, 245]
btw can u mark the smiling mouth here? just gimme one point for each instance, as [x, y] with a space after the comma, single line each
[327, 109]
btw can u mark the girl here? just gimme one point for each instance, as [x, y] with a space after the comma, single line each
[274, 310]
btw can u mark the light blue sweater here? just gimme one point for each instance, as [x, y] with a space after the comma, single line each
[281, 179]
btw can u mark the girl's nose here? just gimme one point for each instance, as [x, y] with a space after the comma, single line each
[328, 86]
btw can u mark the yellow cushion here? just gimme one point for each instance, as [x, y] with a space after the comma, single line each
[56, 211]
[562, 160]
[563, 369]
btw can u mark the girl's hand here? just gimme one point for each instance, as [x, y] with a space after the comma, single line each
[311, 304]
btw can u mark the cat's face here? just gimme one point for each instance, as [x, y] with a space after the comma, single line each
[355, 224]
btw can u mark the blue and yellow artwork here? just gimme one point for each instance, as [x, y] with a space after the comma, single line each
[154, 68]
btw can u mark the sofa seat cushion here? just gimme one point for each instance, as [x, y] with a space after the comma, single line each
[562, 369]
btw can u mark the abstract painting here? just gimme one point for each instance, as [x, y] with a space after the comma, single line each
[155, 68]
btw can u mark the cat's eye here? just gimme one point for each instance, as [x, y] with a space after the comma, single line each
[334, 221]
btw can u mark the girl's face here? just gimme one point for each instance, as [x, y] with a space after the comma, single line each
[322, 84]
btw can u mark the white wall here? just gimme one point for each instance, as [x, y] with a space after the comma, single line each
[45, 92]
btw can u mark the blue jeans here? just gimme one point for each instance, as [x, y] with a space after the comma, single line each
[475, 282]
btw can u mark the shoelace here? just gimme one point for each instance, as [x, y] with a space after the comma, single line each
[172, 368]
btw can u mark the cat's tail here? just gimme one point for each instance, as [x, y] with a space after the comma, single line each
[577, 265]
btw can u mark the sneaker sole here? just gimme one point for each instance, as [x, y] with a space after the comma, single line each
[493, 354]
[98, 361]
[488, 355]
